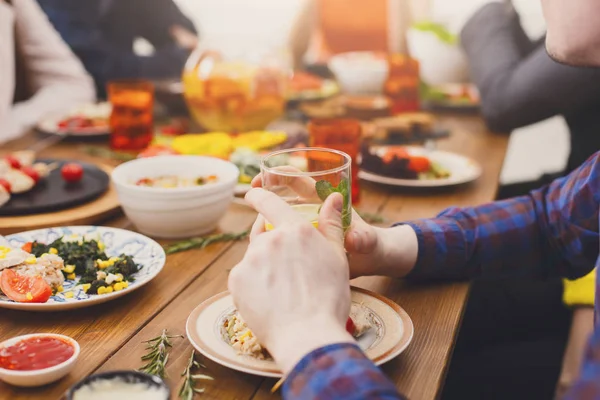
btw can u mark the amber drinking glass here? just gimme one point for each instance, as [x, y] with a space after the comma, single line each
[343, 135]
[131, 120]
[403, 84]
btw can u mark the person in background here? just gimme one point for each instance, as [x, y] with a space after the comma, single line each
[102, 35]
[299, 312]
[510, 326]
[38, 73]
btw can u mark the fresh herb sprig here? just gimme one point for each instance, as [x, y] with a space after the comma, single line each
[202, 242]
[325, 188]
[188, 388]
[158, 354]
[103, 152]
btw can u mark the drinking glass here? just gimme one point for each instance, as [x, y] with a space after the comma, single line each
[304, 178]
[131, 119]
[343, 135]
[403, 84]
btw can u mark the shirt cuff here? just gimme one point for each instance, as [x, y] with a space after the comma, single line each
[442, 250]
[337, 371]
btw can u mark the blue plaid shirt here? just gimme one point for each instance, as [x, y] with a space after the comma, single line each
[551, 231]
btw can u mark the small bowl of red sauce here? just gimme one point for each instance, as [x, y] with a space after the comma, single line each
[37, 359]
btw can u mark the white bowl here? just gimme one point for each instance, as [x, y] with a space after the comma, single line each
[439, 62]
[39, 377]
[175, 212]
[360, 73]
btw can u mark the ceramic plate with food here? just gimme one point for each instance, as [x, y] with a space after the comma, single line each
[64, 268]
[409, 166]
[452, 97]
[84, 121]
[306, 86]
[381, 327]
[29, 186]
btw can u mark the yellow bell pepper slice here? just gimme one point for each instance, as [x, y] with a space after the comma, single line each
[216, 144]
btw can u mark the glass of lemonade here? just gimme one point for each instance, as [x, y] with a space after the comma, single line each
[305, 177]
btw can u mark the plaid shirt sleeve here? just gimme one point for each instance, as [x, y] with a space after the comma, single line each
[336, 372]
[551, 231]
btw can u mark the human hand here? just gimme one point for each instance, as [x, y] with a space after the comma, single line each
[371, 250]
[292, 287]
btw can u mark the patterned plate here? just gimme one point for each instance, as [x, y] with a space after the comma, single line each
[392, 331]
[145, 251]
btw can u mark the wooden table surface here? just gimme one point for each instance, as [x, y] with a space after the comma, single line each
[111, 334]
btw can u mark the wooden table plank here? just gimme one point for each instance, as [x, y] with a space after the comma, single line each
[101, 330]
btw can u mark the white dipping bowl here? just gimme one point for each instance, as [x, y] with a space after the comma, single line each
[360, 73]
[39, 377]
[172, 213]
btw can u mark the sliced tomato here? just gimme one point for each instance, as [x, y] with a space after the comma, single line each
[27, 247]
[13, 162]
[394, 152]
[419, 164]
[350, 327]
[32, 173]
[24, 289]
[5, 184]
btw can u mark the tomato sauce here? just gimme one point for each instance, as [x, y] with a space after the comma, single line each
[35, 353]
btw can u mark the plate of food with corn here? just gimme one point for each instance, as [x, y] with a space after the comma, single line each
[64, 268]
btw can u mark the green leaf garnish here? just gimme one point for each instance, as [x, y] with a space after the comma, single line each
[324, 189]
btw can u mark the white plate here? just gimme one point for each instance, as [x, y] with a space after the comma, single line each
[462, 169]
[392, 332]
[50, 123]
[145, 251]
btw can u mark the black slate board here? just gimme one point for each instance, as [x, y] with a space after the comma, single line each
[53, 193]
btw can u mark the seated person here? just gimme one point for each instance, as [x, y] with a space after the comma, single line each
[552, 231]
[520, 85]
[102, 34]
[39, 74]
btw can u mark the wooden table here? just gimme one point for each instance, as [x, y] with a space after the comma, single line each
[111, 334]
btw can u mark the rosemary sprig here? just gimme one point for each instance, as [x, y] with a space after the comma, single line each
[202, 242]
[188, 388]
[103, 152]
[158, 354]
[371, 218]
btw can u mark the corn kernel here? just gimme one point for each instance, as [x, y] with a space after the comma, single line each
[71, 277]
[29, 296]
[118, 286]
[85, 287]
[114, 259]
[69, 269]
[59, 289]
[101, 290]
[125, 284]
[53, 250]
[101, 245]
[109, 289]
[31, 260]
[69, 295]
[119, 277]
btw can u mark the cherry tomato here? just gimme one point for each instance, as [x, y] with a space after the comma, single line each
[24, 289]
[72, 172]
[350, 327]
[32, 173]
[6, 184]
[13, 162]
[419, 164]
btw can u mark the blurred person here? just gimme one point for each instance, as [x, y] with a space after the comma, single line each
[513, 324]
[552, 231]
[102, 35]
[339, 26]
[38, 73]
